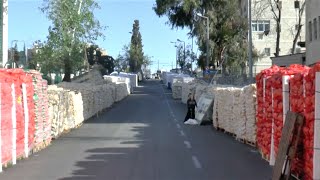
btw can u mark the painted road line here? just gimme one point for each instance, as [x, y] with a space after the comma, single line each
[196, 162]
[178, 126]
[188, 145]
[182, 133]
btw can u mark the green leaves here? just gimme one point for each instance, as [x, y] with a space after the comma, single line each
[226, 24]
[73, 26]
[136, 54]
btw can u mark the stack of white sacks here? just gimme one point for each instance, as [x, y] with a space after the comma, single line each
[177, 84]
[250, 106]
[234, 111]
[133, 78]
[239, 120]
[196, 87]
[122, 85]
[72, 103]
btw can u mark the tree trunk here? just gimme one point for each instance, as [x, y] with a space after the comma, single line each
[67, 70]
[301, 10]
[278, 34]
[296, 39]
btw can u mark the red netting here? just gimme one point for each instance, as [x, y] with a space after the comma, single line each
[7, 79]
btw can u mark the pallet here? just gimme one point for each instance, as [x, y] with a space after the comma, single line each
[253, 144]
[231, 134]
[264, 156]
[244, 141]
[296, 177]
[219, 129]
[41, 146]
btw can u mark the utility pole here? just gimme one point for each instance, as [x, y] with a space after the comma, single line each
[208, 37]
[250, 43]
[208, 52]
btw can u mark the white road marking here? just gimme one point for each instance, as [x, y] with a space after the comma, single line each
[182, 133]
[175, 120]
[187, 143]
[178, 126]
[196, 162]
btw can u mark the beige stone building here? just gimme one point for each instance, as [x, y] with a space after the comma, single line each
[313, 31]
[264, 33]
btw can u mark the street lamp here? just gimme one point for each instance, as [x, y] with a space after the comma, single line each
[207, 18]
[176, 53]
[184, 49]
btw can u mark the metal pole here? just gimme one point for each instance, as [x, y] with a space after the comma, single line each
[250, 43]
[176, 57]
[184, 53]
[26, 53]
[207, 58]
[191, 53]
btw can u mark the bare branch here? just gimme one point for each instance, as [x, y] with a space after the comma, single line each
[273, 9]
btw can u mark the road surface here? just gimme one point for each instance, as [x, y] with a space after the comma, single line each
[143, 138]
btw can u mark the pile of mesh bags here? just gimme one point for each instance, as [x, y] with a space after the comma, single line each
[72, 103]
[234, 111]
[177, 86]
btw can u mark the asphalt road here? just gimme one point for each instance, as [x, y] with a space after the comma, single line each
[143, 138]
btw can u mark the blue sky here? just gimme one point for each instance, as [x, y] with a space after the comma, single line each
[28, 23]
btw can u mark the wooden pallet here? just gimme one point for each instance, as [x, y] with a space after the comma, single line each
[288, 146]
[264, 156]
[296, 177]
[41, 146]
[244, 141]
[253, 144]
[231, 134]
[220, 129]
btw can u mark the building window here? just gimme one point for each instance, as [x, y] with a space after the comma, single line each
[254, 26]
[267, 51]
[260, 26]
[315, 28]
[310, 31]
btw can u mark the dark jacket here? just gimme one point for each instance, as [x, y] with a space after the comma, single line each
[191, 104]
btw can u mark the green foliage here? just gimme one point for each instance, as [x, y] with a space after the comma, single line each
[73, 26]
[92, 53]
[226, 24]
[121, 63]
[136, 49]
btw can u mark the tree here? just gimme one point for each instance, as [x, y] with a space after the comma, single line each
[225, 23]
[91, 56]
[181, 57]
[16, 55]
[276, 6]
[136, 48]
[299, 26]
[122, 61]
[73, 26]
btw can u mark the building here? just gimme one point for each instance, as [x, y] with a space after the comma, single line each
[287, 60]
[4, 32]
[312, 31]
[264, 32]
